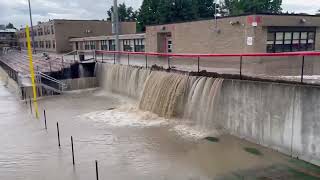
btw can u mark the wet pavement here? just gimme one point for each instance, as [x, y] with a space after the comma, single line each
[124, 150]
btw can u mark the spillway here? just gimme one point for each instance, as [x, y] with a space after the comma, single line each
[170, 95]
[283, 117]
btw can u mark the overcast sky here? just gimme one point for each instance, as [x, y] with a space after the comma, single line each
[16, 11]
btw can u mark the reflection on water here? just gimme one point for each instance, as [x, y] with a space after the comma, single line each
[147, 147]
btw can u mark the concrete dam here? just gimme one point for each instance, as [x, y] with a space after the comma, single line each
[283, 117]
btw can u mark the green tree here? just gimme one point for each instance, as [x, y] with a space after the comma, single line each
[148, 14]
[10, 26]
[125, 13]
[236, 7]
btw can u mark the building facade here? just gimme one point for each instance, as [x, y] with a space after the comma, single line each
[128, 42]
[8, 38]
[54, 35]
[241, 34]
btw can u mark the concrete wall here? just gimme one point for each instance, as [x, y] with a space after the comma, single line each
[81, 83]
[283, 117]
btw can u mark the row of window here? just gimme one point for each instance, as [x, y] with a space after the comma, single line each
[40, 31]
[41, 44]
[290, 41]
[135, 45]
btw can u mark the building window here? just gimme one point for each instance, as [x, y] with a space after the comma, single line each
[139, 45]
[127, 46]
[49, 44]
[169, 46]
[104, 45]
[52, 29]
[53, 44]
[89, 45]
[291, 40]
[92, 45]
[77, 45]
[40, 31]
[112, 45]
[36, 44]
[41, 44]
[86, 45]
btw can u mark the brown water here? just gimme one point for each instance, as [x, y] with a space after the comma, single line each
[128, 143]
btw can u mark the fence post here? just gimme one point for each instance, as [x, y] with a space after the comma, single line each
[128, 58]
[58, 134]
[45, 119]
[30, 104]
[198, 64]
[97, 173]
[102, 57]
[72, 150]
[114, 58]
[302, 69]
[240, 67]
[146, 57]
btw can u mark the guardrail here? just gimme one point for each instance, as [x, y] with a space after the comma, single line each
[303, 67]
[46, 80]
[10, 71]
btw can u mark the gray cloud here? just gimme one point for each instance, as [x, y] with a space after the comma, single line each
[16, 11]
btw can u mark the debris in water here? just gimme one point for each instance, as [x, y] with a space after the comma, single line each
[253, 151]
[109, 109]
[212, 139]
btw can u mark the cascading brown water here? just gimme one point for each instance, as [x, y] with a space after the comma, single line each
[168, 95]
[164, 93]
[122, 79]
[201, 103]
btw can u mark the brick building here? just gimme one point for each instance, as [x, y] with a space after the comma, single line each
[128, 42]
[54, 35]
[8, 38]
[238, 34]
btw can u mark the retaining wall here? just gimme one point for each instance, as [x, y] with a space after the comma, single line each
[280, 116]
[81, 83]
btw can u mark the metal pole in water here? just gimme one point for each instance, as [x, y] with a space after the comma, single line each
[128, 58]
[198, 63]
[302, 69]
[45, 119]
[168, 62]
[97, 173]
[114, 58]
[30, 104]
[240, 67]
[102, 57]
[58, 134]
[146, 61]
[72, 150]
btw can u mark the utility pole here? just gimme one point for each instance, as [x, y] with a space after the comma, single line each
[116, 26]
[32, 32]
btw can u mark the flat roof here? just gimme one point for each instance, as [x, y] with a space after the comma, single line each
[240, 15]
[97, 38]
[8, 30]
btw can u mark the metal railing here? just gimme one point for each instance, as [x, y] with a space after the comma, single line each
[50, 82]
[13, 74]
[302, 67]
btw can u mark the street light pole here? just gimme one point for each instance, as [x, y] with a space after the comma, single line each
[116, 26]
[32, 32]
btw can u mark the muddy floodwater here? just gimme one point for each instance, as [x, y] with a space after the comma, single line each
[128, 144]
